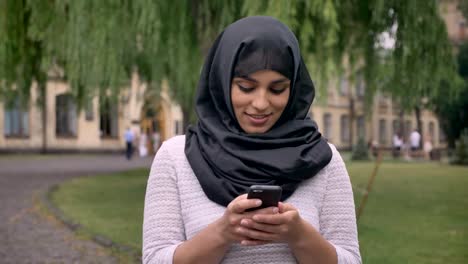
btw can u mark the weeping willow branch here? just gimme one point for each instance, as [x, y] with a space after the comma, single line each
[98, 44]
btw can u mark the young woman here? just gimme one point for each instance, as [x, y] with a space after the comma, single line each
[253, 98]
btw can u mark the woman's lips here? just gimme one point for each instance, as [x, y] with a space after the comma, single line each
[258, 120]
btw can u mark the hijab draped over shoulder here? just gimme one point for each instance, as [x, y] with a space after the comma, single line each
[225, 159]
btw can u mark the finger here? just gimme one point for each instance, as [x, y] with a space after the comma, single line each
[240, 197]
[256, 234]
[231, 206]
[275, 229]
[241, 205]
[281, 207]
[284, 207]
[272, 219]
[268, 210]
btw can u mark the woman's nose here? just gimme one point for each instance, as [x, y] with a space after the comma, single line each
[260, 102]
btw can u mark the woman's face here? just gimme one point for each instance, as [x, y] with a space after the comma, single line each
[259, 99]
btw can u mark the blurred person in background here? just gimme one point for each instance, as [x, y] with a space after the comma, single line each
[373, 147]
[142, 145]
[415, 142]
[129, 138]
[397, 144]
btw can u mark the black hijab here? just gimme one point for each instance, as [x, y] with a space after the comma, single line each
[225, 159]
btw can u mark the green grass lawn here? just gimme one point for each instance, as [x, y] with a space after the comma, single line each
[416, 212]
[111, 205]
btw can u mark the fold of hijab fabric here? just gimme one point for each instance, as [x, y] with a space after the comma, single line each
[225, 159]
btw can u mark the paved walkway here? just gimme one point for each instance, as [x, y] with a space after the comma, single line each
[27, 236]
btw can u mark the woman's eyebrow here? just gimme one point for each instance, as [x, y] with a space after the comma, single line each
[248, 79]
[255, 81]
[279, 80]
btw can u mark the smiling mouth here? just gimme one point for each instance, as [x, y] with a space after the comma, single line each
[258, 116]
[258, 120]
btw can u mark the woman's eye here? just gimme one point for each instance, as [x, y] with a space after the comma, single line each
[245, 89]
[278, 90]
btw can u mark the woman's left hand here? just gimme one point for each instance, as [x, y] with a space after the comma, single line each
[284, 226]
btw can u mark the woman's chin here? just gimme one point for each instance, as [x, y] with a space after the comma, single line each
[256, 130]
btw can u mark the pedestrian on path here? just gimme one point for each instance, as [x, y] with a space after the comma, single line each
[253, 98]
[397, 144]
[129, 138]
[415, 143]
[415, 140]
[143, 145]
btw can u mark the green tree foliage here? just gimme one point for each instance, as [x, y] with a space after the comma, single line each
[422, 58]
[92, 41]
[99, 43]
[454, 113]
[175, 36]
[463, 7]
[461, 150]
[20, 55]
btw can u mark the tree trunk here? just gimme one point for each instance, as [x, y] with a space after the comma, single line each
[43, 91]
[401, 126]
[352, 117]
[417, 112]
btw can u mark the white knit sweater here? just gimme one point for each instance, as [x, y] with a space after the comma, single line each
[176, 209]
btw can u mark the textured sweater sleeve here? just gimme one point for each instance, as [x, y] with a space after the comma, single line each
[338, 217]
[163, 228]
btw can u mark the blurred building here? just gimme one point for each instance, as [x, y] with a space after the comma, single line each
[344, 126]
[457, 25]
[341, 119]
[96, 128]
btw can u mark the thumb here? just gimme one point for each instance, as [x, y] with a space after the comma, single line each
[284, 207]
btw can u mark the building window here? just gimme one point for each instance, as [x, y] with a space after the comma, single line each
[382, 131]
[65, 115]
[442, 136]
[360, 89]
[108, 124]
[396, 109]
[461, 30]
[16, 121]
[396, 127]
[327, 126]
[343, 86]
[361, 127]
[344, 123]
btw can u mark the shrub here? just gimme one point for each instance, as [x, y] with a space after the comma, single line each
[461, 149]
[360, 151]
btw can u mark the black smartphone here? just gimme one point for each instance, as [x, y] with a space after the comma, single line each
[269, 194]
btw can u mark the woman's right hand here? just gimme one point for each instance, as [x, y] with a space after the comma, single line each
[230, 222]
